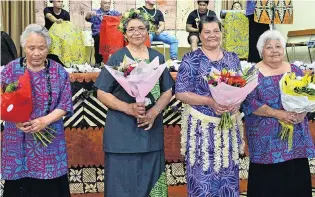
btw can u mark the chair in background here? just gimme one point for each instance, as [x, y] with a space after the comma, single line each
[309, 33]
[158, 44]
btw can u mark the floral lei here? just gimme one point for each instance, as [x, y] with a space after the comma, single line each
[133, 13]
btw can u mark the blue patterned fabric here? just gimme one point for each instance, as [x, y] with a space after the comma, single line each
[23, 156]
[250, 7]
[224, 183]
[97, 20]
[262, 132]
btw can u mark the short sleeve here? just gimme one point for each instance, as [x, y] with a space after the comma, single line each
[161, 18]
[252, 102]
[212, 13]
[65, 97]
[190, 19]
[166, 81]
[185, 81]
[47, 10]
[105, 81]
[67, 16]
[116, 13]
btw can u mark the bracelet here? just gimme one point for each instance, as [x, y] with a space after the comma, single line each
[159, 109]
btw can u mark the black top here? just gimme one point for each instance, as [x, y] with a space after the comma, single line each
[157, 17]
[8, 49]
[193, 16]
[121, 132]
[64, 15]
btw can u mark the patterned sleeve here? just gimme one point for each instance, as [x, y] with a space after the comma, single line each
[65, 97]
[252, 102]
[236, 61]
[297, 70]
[6, 75]
[116, 13]
[185, 81]
[105, 81]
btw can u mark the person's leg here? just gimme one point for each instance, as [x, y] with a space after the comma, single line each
[152, 36]
[98, 57]
[194, 40]
[170, 40]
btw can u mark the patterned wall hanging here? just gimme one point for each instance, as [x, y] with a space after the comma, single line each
[279, 10]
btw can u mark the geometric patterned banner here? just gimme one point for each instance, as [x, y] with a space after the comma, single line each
[278, 11]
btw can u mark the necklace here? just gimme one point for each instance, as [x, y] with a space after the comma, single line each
[47, 76]
[148, 12]
[199, 15]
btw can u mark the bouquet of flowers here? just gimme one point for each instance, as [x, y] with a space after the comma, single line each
[16, 101]
[137, 78]
[17, 106]
[230, 88]
[297, 95]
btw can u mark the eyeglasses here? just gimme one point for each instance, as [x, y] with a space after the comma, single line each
[133, 30]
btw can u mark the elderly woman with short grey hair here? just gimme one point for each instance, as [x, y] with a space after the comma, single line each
[133, 134]
[28, 167]
[274, 171]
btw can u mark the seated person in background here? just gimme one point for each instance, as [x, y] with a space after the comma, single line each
[236, 6]
[55, 14]
[159, 34]
[95, 17]
[193, 22]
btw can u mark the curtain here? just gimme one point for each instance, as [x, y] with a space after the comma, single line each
[227, 4]
[15, 16]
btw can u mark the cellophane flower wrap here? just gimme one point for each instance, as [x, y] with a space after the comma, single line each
[297, 95]
[230, 88]
[17, 106]
[137, 79]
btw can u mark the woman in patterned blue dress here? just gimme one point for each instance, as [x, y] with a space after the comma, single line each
[273, 170]
[211, 154]
[28, 167]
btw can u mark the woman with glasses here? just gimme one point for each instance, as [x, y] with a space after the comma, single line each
[211, 153]
[133, 138]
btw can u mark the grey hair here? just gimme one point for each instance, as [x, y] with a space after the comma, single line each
[269, 35]
[139, 17]
[37, 29]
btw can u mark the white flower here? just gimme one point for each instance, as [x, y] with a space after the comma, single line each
[90, 188]
[100, 174]
[311, 85]
[1, 68]
[75, 175]
[126, 15]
